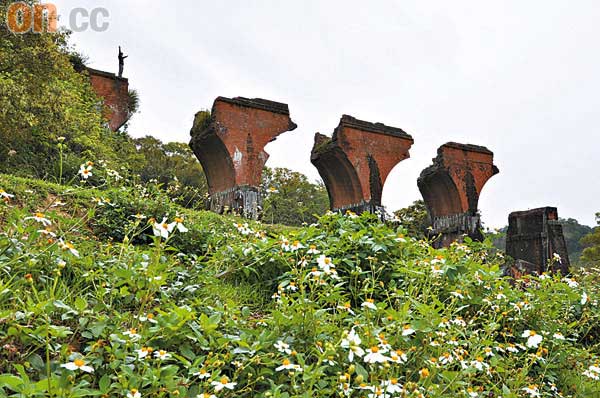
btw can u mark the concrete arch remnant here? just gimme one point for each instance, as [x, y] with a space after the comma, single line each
[451, 189]
[355, 162]
[229, 143]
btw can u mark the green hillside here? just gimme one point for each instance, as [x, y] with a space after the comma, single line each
[92, 303]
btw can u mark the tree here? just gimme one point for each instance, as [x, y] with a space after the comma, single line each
[415, 218]
[591, 244]
[44, 98]
[290, 198]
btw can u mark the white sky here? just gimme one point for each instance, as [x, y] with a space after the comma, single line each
[520, 77]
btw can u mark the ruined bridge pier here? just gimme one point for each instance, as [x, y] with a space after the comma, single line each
[355, 162]
[533, 238]
[229, 143]
[451, 189]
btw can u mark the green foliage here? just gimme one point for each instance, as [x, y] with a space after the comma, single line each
[415, 218]
[133, 104]
[44, 98]
[290, 198]
[168, 320]
[591, 244]
[201, 120]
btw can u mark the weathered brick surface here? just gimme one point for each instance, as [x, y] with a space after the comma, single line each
[230, 147]
[534, 236]
[114, 92]
[451, 189]
[355, 162]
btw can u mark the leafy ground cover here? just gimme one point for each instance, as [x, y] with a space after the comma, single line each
[117, 292]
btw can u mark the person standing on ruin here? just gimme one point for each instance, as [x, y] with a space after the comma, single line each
[121, 62]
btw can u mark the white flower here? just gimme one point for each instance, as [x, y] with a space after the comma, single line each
[283, 347]
[378, 392]
[398, 356]
[147, 318]
[558, 336]
[41, 218]
[374, 356]
[272, 190]
[533, 339]
[351, 214]
[179, 224]
[584, 298]
[162, 229]
[312, 250]
[143, 352]
[346, 307]
[392, 386]
[85, 171]
[532, 390]
[352, 342]
[370, 304]
[162, 355]
[571, 282]
[285, 244]
[556, 257]
[202, 374]
[287, 365]
[78, 364]
[244, 229]
[47, 232]
[446, 358]
[223, 383]
[593, 372]
[296, 245]
[206, 395]
[134, 393]
[325, 263]
[407, 330]
[5, 195]
[68, 246]
[132, 334]
[400, 238]
[479, 364]
[436, 270]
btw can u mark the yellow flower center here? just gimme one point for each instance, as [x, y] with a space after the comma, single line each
[370, 300]
[133, 331]
[374, 349]
[134, 391]
[532, 333]
[39, 215]
[286, 362]
[224, 380]
[79, 362]
[179, 220]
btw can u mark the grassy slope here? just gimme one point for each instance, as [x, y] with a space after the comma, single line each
[209, 289]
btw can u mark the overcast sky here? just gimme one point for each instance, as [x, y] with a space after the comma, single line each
[520, 77]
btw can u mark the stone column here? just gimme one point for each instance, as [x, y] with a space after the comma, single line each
[229, 143]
